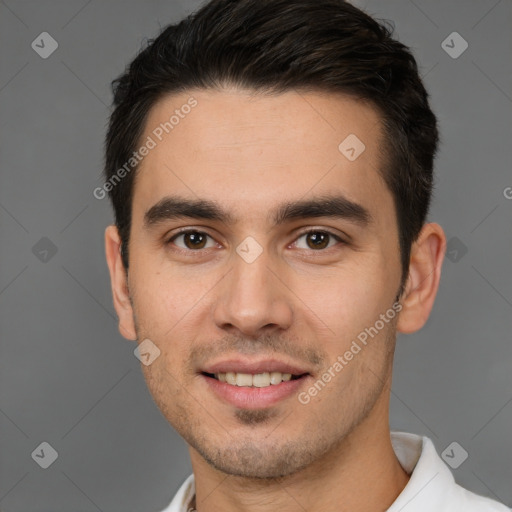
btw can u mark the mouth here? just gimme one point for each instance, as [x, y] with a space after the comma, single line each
[258, 380]
[254, 391]
[254, 384]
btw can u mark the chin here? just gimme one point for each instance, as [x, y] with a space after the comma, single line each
[248, 460]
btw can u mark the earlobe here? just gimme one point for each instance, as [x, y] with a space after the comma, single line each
[119, 284]
[426, 261]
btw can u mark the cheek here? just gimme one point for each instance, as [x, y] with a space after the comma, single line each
[171, 310]
[164, 384]
[347, 300]
[163, 299]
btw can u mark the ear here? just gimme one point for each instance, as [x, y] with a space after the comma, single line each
[119, 283]
[426, 260]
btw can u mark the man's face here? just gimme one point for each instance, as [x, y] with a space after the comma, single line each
[255, 287]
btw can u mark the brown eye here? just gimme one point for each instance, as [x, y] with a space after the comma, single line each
[318, 240]
[192, 240]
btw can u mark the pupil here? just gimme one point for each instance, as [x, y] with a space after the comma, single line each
[318, 239]
[196, 239]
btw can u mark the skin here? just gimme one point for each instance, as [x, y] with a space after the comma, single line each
[297, 303]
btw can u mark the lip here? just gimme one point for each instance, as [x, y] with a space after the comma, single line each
[244, 397]
[254, 367]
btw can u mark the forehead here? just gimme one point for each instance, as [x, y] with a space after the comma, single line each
[250, 151]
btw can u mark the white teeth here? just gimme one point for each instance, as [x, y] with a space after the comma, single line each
[276, 377]
[260, 380]
[243, 379]
[231, 378]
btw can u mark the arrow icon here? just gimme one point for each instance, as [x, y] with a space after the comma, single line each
[450, 454]
[44, 455]
[351, 147]
[146, 352]
[249, 249]
[44, 45]
[44, 250]
[454, 45]
[454, 455]
[455, 249]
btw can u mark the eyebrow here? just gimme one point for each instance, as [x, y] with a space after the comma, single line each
[338, 207]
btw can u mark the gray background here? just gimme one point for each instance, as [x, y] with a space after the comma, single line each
[67, 376]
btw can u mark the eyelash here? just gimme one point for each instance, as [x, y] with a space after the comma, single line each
[300, 235]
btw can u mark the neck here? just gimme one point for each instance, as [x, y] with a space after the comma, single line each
[362, 472]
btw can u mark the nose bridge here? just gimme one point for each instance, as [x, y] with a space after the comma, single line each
[251, 297]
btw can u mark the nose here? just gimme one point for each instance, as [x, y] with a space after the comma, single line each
[252, 299]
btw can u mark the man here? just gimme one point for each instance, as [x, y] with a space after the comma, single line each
[270, 166]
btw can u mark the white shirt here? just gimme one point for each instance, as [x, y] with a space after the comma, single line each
[431, 487]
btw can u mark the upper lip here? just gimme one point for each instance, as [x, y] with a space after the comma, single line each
[254, 367]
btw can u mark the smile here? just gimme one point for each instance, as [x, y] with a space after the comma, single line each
[259, 380]
[254, 391]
